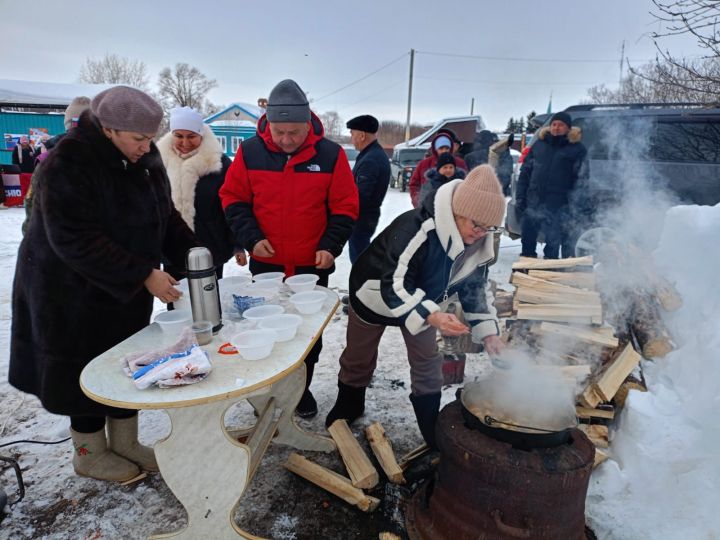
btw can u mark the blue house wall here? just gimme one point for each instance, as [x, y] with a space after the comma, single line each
[18, 123]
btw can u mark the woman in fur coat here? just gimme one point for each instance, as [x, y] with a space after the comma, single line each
[196, 166]
[88, 269]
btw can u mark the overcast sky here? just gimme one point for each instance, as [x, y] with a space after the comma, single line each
[561, 47]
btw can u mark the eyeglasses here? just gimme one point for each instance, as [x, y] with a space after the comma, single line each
[477, 228]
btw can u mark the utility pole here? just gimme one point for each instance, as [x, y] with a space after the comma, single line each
[410, 83]
[472, 106]
[622, 60]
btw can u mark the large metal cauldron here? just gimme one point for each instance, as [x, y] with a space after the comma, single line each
[485, 489]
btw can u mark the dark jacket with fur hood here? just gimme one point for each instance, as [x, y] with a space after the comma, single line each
[100, 225]
[194, 184]
[550, 170]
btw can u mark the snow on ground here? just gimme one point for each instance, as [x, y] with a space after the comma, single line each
[664, 483]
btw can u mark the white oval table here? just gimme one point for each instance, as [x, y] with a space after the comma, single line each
[205, 467]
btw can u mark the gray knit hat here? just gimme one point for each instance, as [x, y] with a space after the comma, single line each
[288, 103]
[127, 109]
[77, 106]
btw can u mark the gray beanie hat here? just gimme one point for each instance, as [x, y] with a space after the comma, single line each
[127, 109]
[288, 103]
[77, 106]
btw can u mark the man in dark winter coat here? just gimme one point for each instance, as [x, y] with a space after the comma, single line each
[425, 259]
[88, 269]
[291, 199]
[548, 175]
[444, 140]
[372, 177]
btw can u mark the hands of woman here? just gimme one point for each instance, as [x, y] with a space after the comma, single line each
[241, 258]
[493, 345]
[447, 323]
[160, 285]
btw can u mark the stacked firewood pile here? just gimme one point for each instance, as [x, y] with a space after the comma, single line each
[599, 339]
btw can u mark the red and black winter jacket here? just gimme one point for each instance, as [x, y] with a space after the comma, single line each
[301, 202]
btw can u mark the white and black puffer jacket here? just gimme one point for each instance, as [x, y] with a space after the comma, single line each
[404, 274]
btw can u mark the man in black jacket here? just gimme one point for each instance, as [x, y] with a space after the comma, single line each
[548, 175]
[372, 176]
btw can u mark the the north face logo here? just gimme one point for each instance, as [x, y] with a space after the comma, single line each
[314, 168]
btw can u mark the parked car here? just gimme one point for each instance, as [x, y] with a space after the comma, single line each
[351, 154]
[403, 163]
[675, 147]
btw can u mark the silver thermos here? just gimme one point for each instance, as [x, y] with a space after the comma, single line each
[202, 281]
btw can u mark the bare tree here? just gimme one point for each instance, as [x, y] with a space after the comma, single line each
[701, 19]
[114, 69]
[658, 82]
[392, 132]
[185, 86]
[332, 123]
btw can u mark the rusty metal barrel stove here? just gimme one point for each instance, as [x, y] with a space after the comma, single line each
[485, 489]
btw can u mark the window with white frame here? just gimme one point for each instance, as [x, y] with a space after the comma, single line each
[223, 142]
[236, 143]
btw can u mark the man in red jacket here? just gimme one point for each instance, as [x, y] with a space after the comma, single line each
[290, 199]
[444, 141]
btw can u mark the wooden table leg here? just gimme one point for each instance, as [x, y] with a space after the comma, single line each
[287, 393]
[205, 469]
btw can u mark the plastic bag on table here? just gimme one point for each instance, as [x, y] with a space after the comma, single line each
[182, 363]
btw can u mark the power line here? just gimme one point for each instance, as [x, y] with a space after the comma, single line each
[361, 78]
[521, 59]
[528, 83]
[350, 105]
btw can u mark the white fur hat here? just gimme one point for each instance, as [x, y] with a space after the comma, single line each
[186, 118]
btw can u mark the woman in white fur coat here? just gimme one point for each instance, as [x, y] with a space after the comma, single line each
[196, 166]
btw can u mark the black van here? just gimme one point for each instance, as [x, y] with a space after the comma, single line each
[674, 148]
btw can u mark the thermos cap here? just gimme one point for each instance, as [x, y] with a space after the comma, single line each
[198, 259]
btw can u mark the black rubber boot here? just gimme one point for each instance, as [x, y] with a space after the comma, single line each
[426, 409]
[307, 406]
[350, 404]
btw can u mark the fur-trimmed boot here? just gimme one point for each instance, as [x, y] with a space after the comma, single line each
[427, 408]
[123, 440]
[93, 459]
[350, 404]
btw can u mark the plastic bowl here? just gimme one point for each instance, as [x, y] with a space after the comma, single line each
[260, 312]
[264, 289]
[302, 282]
[308, 302]
[269, 277]
[254, 344]
[285, 325]
[203, 332]
[172, 322]
[233, 283]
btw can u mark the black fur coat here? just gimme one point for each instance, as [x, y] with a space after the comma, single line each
[100, 224]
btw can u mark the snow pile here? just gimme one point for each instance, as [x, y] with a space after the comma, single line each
[664, 477]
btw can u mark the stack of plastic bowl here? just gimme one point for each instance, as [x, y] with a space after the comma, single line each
[254, 344]
[172, 322]
[285, 324]
[270, 277]
[308, 302]
[302, 282]
[257, 313]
